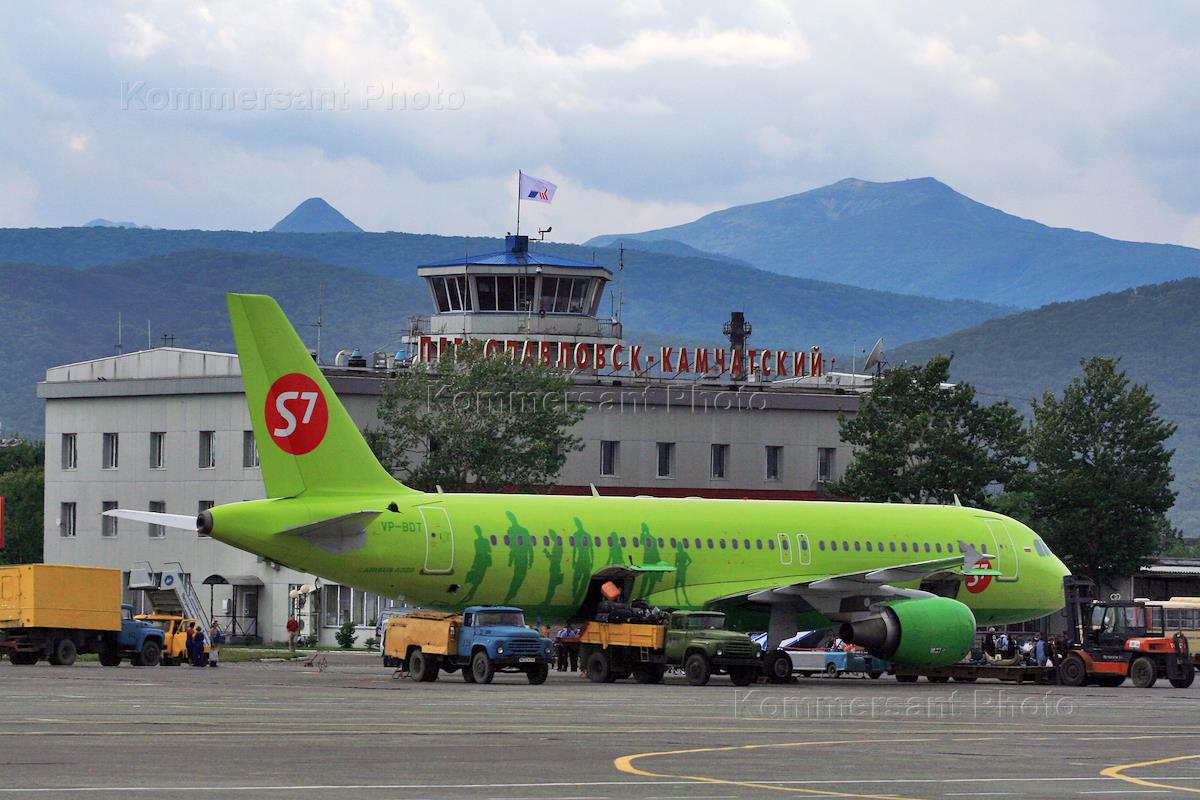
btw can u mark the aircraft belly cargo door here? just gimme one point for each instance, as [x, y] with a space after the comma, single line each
[1004, 550]
[439, 541]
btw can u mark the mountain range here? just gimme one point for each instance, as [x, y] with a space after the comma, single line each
[921, 237]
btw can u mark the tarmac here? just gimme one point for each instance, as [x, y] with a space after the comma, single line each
[281, 729]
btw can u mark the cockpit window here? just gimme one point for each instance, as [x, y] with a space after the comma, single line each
[1040, 547]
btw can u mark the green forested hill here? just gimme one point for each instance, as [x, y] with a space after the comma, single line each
[1154, 329]
[54, 314]
[922, 237]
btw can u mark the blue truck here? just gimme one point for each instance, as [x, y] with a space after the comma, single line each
[479, 642]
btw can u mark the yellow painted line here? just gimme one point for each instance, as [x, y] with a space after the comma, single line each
[625, 764]
[1118, 772]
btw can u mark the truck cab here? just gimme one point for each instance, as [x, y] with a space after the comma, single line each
[703, 632]
[500, 633]
[138, 639]
[174, 629]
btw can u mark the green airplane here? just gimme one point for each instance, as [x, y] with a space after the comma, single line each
[908, 582]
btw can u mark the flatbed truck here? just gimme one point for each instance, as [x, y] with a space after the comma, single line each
[56, 611]
[696, 641]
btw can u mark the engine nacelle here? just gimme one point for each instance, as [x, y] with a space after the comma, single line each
[927, 632]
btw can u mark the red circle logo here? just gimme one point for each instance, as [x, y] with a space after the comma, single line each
[297, 415]
[977, 583]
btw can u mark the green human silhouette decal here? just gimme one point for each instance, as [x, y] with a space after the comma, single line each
[480, 564]
[555, 555]
[520, 555]
[650, 555]
[682, 560]
[581, 562]
[614, 549]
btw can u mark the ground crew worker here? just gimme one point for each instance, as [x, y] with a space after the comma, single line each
[215, 639]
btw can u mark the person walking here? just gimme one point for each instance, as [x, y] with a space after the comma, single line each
[561, 647]
[293, 632]
[189, 646]
[215, 640]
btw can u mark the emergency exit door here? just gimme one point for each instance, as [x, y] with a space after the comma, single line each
[439, 541]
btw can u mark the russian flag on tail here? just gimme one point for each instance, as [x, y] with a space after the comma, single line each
[536, 189]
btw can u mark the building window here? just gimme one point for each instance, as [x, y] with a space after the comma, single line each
[504, 292]
[451, 293]
[609, 452]
[111, 455]
[202, 506]
[666, 459]
[774, 458]
[66, 520]
[157, 531]
[249, 450]
[70, 455]
[157, 441]
[108, 525]
[564, 295]
[208, 449]
[825, 464]
[720, 460]
[342, 604]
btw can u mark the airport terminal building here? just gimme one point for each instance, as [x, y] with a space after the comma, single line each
[167, 429]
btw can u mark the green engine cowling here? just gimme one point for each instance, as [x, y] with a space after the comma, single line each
[925, 632]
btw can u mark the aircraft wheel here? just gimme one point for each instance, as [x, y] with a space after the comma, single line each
[1072, 671]
[1144, 672]
[778, 666]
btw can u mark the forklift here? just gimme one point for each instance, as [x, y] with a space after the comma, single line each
[1110, 641]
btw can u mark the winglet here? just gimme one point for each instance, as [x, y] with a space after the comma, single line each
[971, 557]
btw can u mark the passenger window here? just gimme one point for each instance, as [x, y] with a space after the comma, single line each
[746, 543]
[939, 547]
[722, 544]
[846, 545]
[857, 546]
[770, 544]
[821, 545]
[672, 542]
[710, 544]
[735, 545]
[833, 544]
[904, 547]
[868, 547]
[892, 546]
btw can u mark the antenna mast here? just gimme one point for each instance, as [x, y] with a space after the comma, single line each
[120, 345]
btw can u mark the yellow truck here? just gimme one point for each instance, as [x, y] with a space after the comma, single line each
[481, 641]
[55, 611]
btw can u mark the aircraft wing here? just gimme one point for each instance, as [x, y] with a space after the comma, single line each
[337, 534]
[851, 595]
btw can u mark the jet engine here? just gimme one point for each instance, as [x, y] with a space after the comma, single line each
[925, 632]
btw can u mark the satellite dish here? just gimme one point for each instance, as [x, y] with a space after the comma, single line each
[876, 356]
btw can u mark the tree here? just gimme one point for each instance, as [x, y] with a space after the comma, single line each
[22, 484]
[477, 422]
[918, 439]
[1103, 475]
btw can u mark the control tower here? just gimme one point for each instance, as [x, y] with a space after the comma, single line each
[515, 296]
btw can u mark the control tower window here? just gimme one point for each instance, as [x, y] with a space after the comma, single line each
[451, 293]
[504, 292]
[564, 295]
[485, 290]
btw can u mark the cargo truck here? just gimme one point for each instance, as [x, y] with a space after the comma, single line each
[56, 611]
[481, 641]
[694, 640]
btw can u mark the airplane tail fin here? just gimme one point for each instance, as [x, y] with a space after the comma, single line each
[306, 440]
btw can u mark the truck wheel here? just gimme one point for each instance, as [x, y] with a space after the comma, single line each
[419, 666]
[468, 674]
[743, 676]
[1072, 671]
[778, 666]
[906, 678]
[1186, 680]
[482, 668]
[599, 667]
[110, 657]
[1144, 672]
[538, 673]
[150, 654]
[831, 670]
[63, 653]
[648, 674]
[23, 659]
[697, 668]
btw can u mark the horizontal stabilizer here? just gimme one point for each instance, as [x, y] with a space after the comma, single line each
[342, 534]
[183, 522]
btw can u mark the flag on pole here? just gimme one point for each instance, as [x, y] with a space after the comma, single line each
[536, 189]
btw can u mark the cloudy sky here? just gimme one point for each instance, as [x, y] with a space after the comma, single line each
[416, 116]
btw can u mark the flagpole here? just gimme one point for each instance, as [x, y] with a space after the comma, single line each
[518, 202]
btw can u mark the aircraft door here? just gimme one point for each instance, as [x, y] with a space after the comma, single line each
[1005, 550]
[785, 551]
[439, 541]
[802, 551]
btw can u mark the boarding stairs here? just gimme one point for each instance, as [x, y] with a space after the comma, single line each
[169, 591]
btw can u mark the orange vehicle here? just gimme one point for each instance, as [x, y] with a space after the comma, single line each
[174, 630]
[1112, 641]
